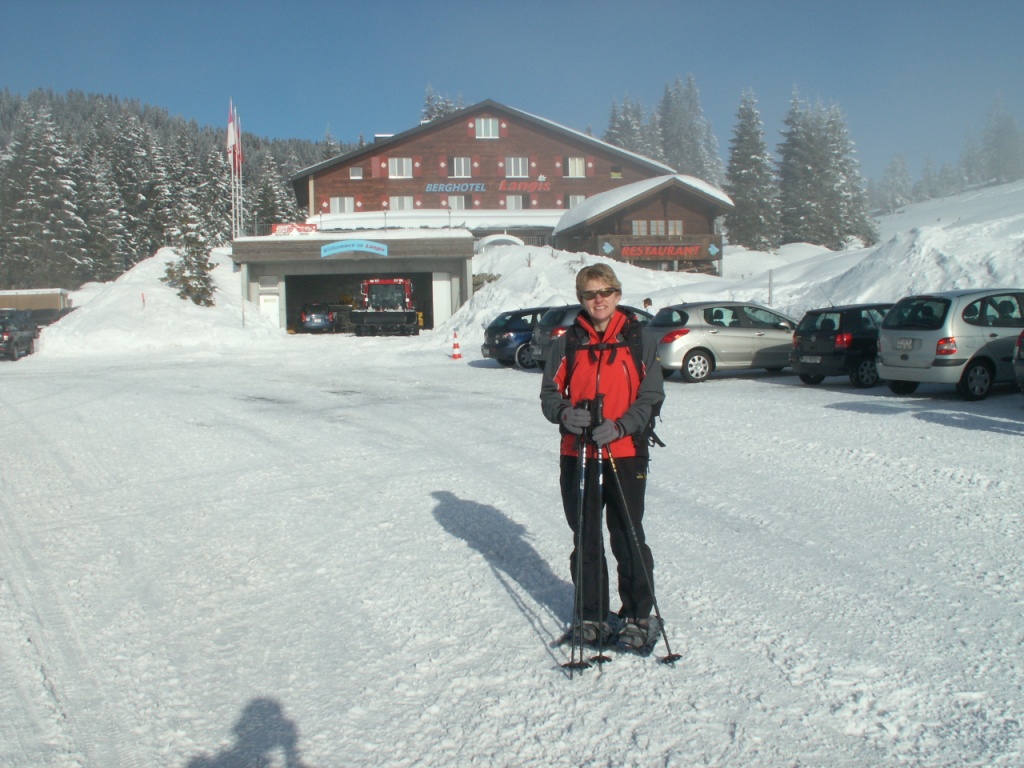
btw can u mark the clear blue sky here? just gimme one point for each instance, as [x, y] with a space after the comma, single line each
[912, 77]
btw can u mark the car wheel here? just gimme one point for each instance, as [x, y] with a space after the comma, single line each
[902, 387]
[15, 354]
[697, 366]
[865, 375]
[976, 382]
[523, 357]
[811, 378]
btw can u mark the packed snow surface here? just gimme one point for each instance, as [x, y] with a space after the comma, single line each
[222, 545]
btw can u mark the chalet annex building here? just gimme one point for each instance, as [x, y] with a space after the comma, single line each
[487, 170]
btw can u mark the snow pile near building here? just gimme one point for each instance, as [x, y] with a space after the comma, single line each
[973, 239]
[138, 313]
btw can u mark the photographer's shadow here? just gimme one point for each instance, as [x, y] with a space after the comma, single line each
[261, 731]
[504, 544]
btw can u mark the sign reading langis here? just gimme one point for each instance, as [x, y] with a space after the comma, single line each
[346, 246]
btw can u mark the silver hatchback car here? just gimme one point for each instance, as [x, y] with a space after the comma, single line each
[965, 338]
[700, 337]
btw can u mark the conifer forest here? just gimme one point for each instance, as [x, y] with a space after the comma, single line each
[90, 185]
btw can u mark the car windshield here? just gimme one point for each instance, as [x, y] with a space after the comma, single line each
[922, 313]
[820, 322]
[317, 309]
[554, 316]
[669, 316]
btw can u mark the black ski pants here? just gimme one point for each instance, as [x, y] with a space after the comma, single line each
[601, 495]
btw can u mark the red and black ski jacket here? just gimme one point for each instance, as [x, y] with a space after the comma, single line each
[604, 364]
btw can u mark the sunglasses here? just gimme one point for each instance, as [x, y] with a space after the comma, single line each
[604, 293]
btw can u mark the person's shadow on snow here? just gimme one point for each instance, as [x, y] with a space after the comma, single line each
[504, 544]
[263, 735]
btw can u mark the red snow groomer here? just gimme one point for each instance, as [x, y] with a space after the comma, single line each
[386, 308]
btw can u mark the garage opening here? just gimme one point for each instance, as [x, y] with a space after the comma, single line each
[341, 293]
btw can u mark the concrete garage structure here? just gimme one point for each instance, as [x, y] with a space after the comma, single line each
[282, 273]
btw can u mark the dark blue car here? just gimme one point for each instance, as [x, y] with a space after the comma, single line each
[507, 338]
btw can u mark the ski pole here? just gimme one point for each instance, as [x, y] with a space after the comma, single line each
[670, 658]
[577, 609]
[598, 418]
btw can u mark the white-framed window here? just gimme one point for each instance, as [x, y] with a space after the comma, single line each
[658, 228]
[355, 172]
[575, 167]
[487, 127]
[675, 227]
[639, 228]
[574, 200]
[400, 167]
[515, 202]
[517, 167]
[343, 205]
[400, 203]
[461, 168]
[457, 202]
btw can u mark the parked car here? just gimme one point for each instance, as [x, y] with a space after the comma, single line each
[698, 338]
[965, 338]
[838, 341]
[16, 339]
[507, 338]
[23, 317]
[316, 318]
[1018, 361]
[557, 320]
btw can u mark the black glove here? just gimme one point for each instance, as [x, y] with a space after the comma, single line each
[575, 419]
[606, 432]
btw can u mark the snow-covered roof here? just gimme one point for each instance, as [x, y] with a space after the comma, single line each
[604, 203]
[397, 231]
[435, 218]
[377, 146]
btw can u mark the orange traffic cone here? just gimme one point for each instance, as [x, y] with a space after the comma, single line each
[456, 354]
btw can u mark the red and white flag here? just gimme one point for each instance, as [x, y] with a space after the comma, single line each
[234, 140]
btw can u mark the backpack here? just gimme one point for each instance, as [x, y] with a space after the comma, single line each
[632, 340]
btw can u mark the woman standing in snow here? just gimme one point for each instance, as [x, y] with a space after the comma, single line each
[602, 384]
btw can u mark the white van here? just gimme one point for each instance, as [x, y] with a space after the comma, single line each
[965, 338]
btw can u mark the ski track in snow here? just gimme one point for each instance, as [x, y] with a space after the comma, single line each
[371, 536]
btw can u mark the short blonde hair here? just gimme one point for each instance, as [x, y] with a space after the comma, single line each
[601, 272]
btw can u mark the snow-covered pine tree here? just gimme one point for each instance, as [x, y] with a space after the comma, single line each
[821, 193]
[688, 142]
[852, 217]
[435, 105]
[212, 205]
[1002, 148]
[106, 235]
[43, 235]
[797, 166]
[751, 183]
[190, 273]
[272, 202]
[613, 133]
[141, 182]
[896, 189]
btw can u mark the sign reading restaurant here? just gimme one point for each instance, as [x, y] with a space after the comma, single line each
[661, 251]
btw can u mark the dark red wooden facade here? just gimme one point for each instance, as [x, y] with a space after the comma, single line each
[559, 165]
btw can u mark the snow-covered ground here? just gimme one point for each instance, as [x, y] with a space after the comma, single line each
[221, 545]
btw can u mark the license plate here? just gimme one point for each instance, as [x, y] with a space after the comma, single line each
[904, 344]
[815, 359]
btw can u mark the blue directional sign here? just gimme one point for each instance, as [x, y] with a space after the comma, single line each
[346, 246]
